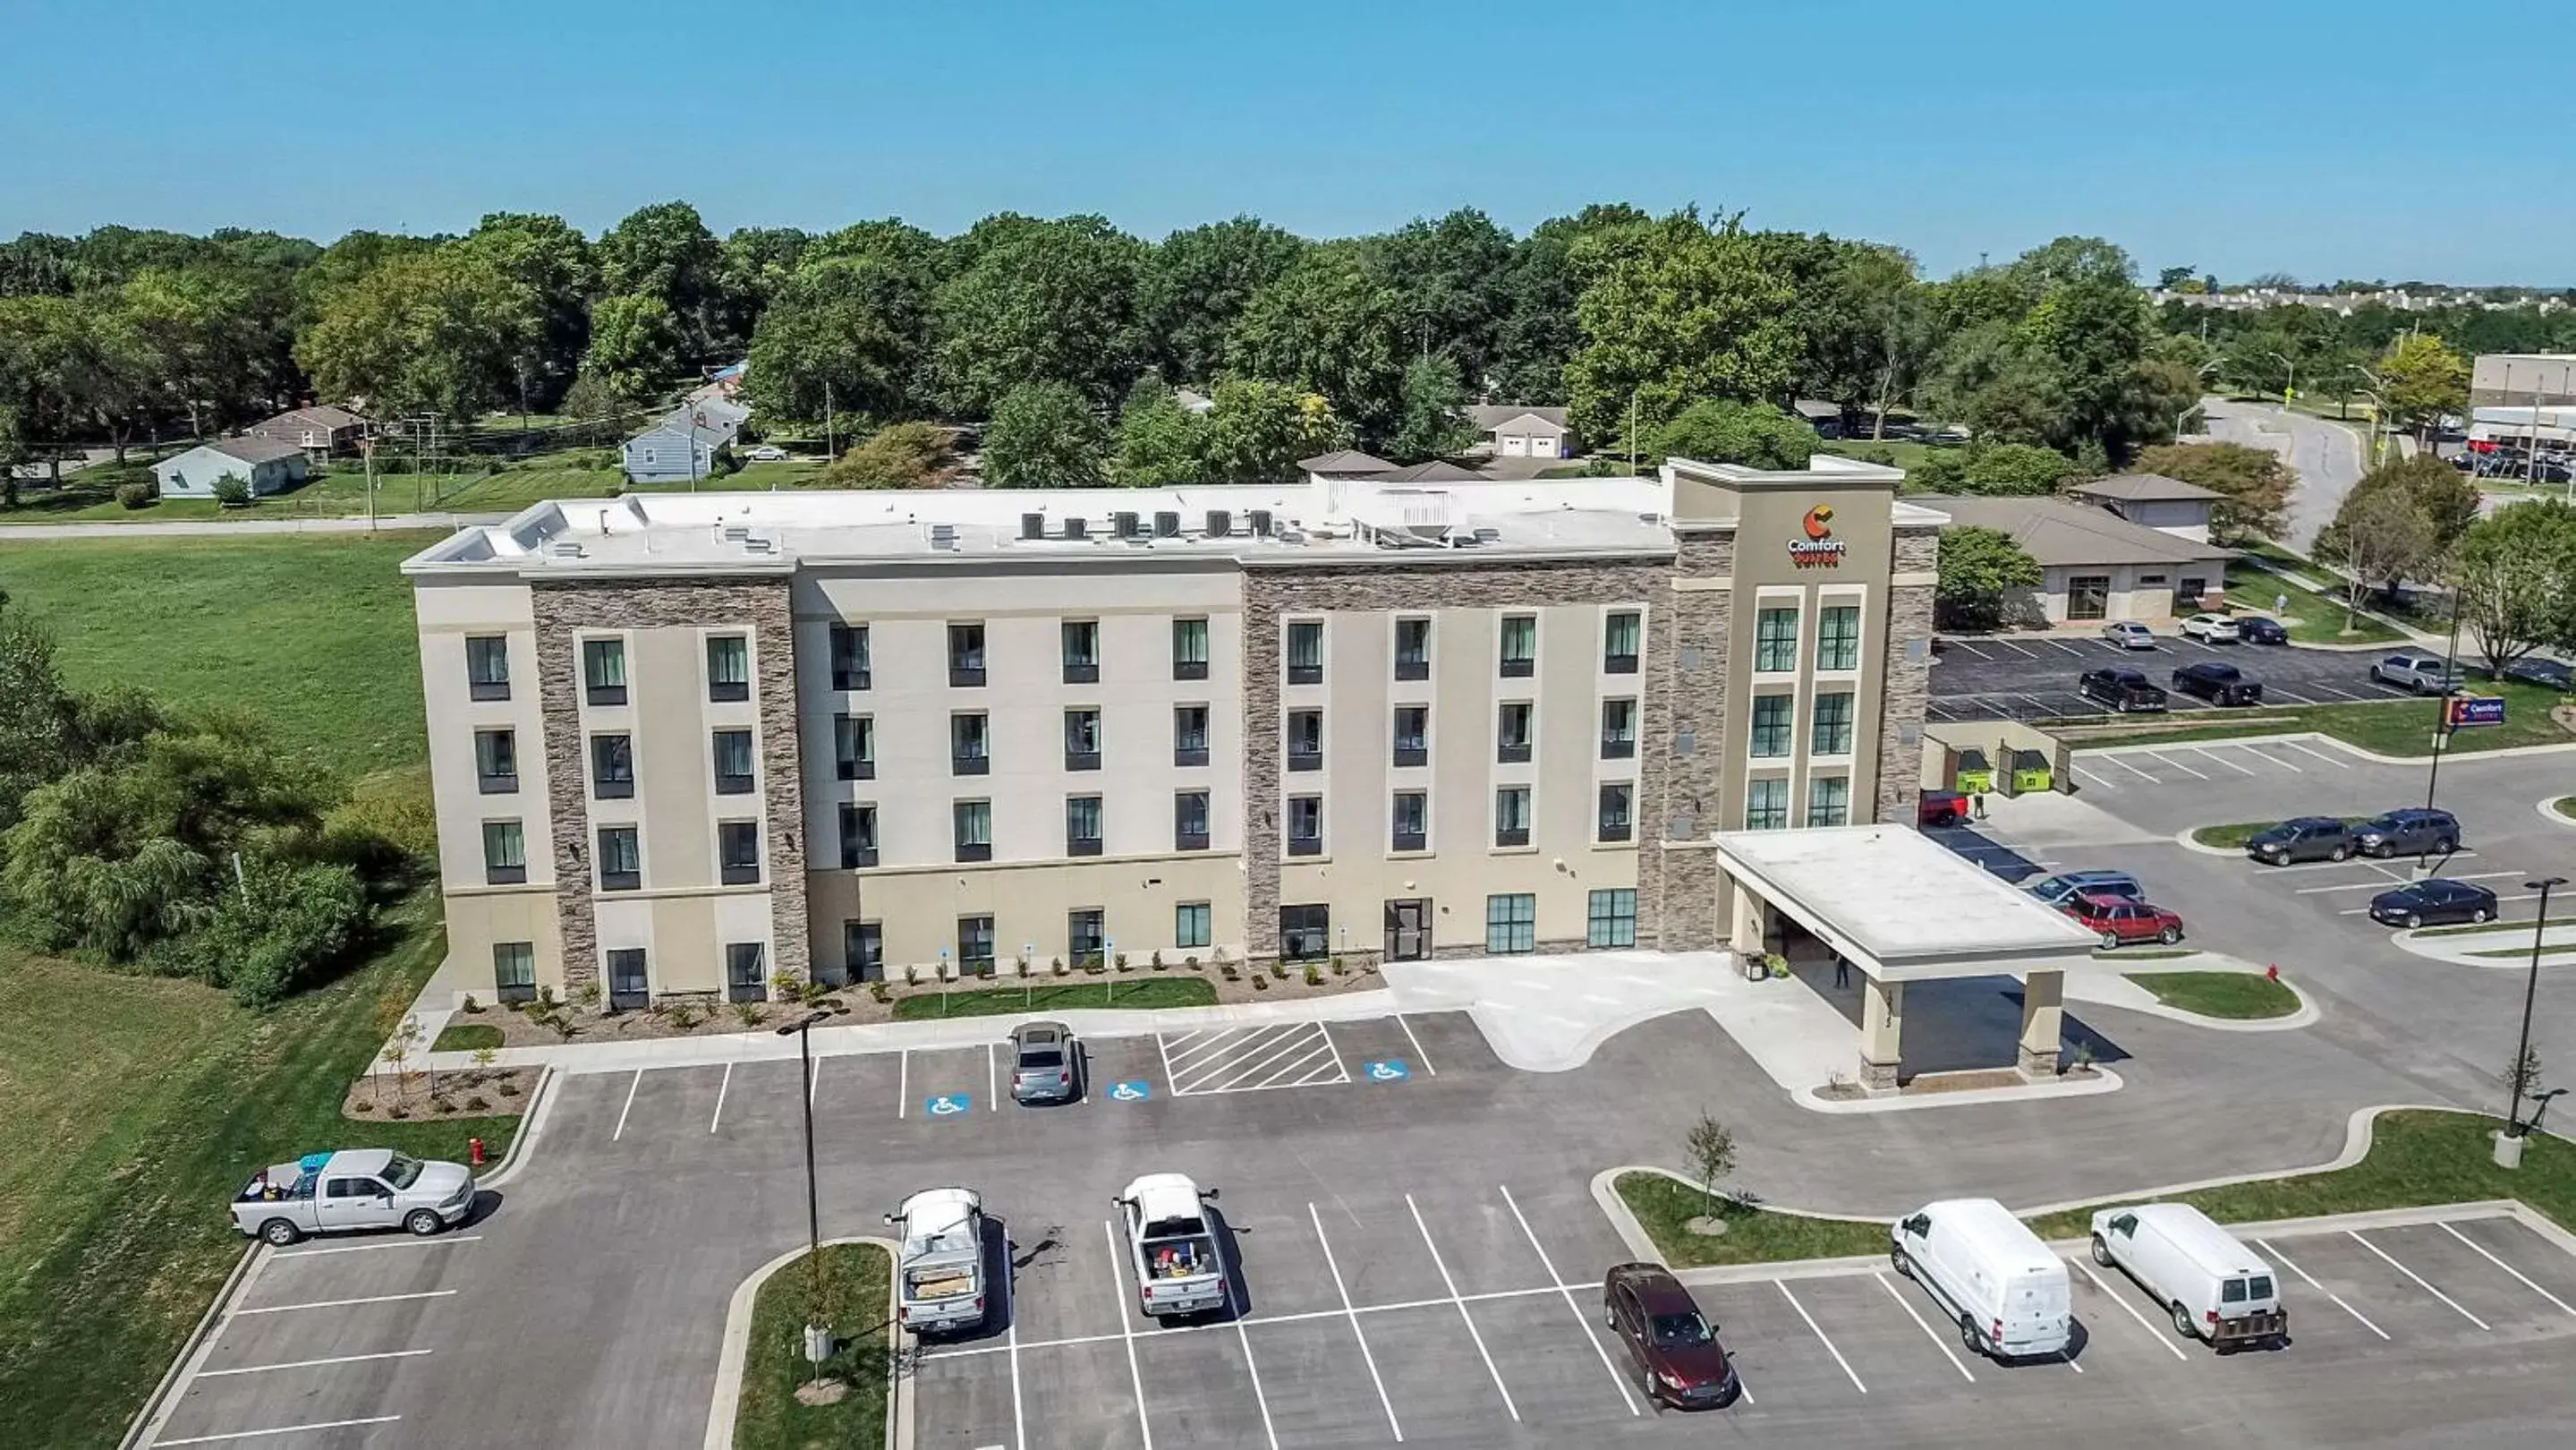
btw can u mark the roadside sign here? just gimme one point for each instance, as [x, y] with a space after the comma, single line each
[1392, 1069]
[2463, 710]
[947, 1105]
[1132, 1090]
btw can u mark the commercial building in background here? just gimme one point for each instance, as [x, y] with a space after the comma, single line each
[2523, 380]
[682, 744]
[2095, 564]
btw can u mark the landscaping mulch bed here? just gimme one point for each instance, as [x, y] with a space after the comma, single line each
[417, 1095]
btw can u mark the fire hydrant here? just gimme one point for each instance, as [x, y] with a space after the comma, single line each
[2271, 973]
[474, 1152]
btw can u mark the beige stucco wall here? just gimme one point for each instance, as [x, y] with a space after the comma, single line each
[1029, 903]
[447, 614]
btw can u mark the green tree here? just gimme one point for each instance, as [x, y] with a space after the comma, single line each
[2516, 573]
[1452, 279]
[1196, 284]
[1539, 332]
[553, 260]
[898, 455]
[276, 928]
[2018, 469]
[2377, 536]
[346, 263]
[194, 332]
[2448, 501]
[635, 347]
[1757, 435]
[1979, 567]
[1329, 325]
[438, 330]
[1259, 429]
[1039, 302]
[752, 265]
[1671, 312]
[665, 252]
[1160, 443]
[855, 324]
[2253, 485]
[1433, 423]
[2421, 381]
[1711, 1146]
[1045, 435]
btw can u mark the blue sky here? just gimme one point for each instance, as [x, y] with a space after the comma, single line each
[2273, 135]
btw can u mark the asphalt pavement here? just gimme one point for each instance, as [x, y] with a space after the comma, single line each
[2327, 457]
[2034, 676]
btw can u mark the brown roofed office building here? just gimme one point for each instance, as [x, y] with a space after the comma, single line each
[2132, 548]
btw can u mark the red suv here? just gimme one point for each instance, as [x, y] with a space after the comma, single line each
[1940, 808]
[2121, 921]
[1677, 1357]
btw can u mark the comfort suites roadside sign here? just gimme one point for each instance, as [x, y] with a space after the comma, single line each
[1816, 547]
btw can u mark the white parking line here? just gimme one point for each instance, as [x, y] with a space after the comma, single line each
[2127, 1308]
[1419, 1055]
[1243, 1336]
[2418, 1278]
[903, 1084]
[1019, 1417]
[2097, 780]
[2131, 769]
[2380, 885]
[1230, 1043]
[1972, 649]
[2328, 759]
[439, 1242]
[1260, 1048]
[1338, 1065]
[813, 1080]
[2061, 644]
[993, 1075]
[722, 1088]
[1127, 1332]
[2025, 651]
[2270, 759]
[208, 1374]
[2475, 1248]
[2320, 1288]
[2221, 759]
[1580, 1318]
[1463, 1316]
[1072, 1341]
[1820, 1334]
[1938, 1342]
[2275, 692]
[2178, 765]
[630, 1105]
[348, 1303]
[281, 1430]
[1356, 1332]
[1165, 1052]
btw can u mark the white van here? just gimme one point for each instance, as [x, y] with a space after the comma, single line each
[2214, 1287]
[1988, 1272]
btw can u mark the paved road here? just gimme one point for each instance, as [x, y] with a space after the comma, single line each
[2032, 677]
[220, 528]
[2326, 455]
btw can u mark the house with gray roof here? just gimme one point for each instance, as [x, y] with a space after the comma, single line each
[1343, 463]
[2178, 508]
[1511, 430]
[2094, 565]
[320, 431]
[267, 465]
[681, 446]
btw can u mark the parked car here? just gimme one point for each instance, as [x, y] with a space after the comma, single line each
[2125, 691]
[2214, 1287]
[1936, 808]
[1046, 1063]
[354, 1188]
[2410, 831]
[2418, 673]
[2260, 629]
[2218, 683]
[2210, 629]
[1673, 1346]
[939, 1266]
[765, 453]
[2053, 890]
[2302, 838]
[2123, 921]
[2540, 670]
[1989, 1274]
[2129, 634]
[1171, 1246]
[2431, 901]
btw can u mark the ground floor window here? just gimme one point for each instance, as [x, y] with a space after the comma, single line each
[1305, 933]
[863, 950]
[1613, 916]
[745, 977]
[2187, 593]
[628, 984]
[2088, 596]
[1766, 805]
[974, 943]
[1829, 800]
[514, 971]
[1190, 924]
[1086, 935]
[1511, 924]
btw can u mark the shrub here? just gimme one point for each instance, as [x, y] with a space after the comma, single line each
[880, 991]
[1315, 974]
[138, 494]
[1192, 962]
[1230, 973]
[232, 491]
[1122, 961]
[750, 1013]
[1155, 961]
[1339, 966]
[509, 1089]
[1279, 970]
[278, 933]
[478, 1104]
[363, 1106]
[1261, 984]
[438, 1103]
[398, 1111]
[1057, 966]
[469, 1006]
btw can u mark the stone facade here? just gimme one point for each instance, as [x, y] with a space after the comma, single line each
[562, 612]
[1906, 680]
[1681, 746]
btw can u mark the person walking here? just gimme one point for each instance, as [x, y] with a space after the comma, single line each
[1977, 805]
[1842, 971]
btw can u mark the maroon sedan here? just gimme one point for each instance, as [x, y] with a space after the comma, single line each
[1679, 1361]
[2120, 921]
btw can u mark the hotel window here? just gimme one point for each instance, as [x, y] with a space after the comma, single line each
[1081, 651]
[1511, 924]
[496, 761]
[1189, 735]
[1305, 740]
[1512, 733]
[514, 971]
[1305, 933]
[1612, 918]
[858, 836]
[849, 657]
[1189, 649]
[1306, 652]
[1191, 924]
[629, 980]
[1411, 818]
[728, 667]
[966, 746]
[1413, 649]
[1829, 800]
[733, 762]
[487, 666]
[863, 950]
[1082, 825]
[1775, 641]
[1512, 816]
[965, 655]
[974, 944]
[612, 767]
[505, 853]
[854, 747]
[1619, 642]
[1616, 800]
[1305, 825]
[1190, 820]
[1832, 732]
[1520, 646]
[1838, 637]
[1082, 739]
[1086, 936]
[1618, 729]
[738, 852]
[745, 979]
[621, 859]
[1766, 805]
[1772, 717]
[974, 825]
[1412, 734]
[603, 671]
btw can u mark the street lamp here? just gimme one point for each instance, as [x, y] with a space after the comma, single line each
[2514, 1127]
[2442, 698]
[2288, 389]
[802, 1029]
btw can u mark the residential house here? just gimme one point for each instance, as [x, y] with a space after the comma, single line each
[320, 431]
[2094, 564]
[1826, 418]
[1509, 430]
[2179, 508]
[681, 446]
[268, 465]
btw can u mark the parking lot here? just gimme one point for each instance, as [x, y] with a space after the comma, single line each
[1446, 1317]
[2034, 677]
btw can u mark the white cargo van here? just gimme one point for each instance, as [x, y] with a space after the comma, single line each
[1989, 1273]
[2214, 1287]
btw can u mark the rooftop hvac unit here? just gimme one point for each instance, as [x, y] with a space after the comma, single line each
[1219, 523]
[1167, 525]
[1077, 528]
[943, 536]
[1032, 526]
[1488, 536]
[1261, 521]
[1123, 524]
[566, 549]
[736, 533]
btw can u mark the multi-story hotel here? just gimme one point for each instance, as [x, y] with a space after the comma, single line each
[684, 743]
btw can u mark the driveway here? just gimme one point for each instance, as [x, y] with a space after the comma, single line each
[2033, 676]
[2326, 455]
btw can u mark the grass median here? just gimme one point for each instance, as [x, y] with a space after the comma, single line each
[1130, 995]
[2565, 805]
[2243, 996]
[2309, 617]
[2398, 727]
[466, 1037]
[857, 1293]
[1754, 1235]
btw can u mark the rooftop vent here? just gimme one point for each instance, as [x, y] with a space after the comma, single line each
[1076, 528]
[1123, 524]
[1219, 523]
[1032, 526]
[1488, 535]
[943, 536]
[565, 548]
[1261, 522]
[736, 533]
[760, 544]
[1167, 525]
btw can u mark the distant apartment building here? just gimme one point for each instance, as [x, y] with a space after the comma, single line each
[2523, 380]
[684, 743]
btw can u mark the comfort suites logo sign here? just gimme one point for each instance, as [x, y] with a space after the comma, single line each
[1817, 548]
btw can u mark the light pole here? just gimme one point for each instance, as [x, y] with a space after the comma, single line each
[2442, 697]
[2514, 1127]
[802, 1029]
[2288, 389]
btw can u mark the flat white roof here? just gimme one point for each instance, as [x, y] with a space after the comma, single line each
[1900, 905]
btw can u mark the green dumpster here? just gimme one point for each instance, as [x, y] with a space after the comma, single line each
[2029, 771]
[1976, 773]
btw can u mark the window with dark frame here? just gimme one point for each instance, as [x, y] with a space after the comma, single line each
[974, 944]
[1082, 739]
[1409, 819]
[496, 761]
[1611, 918]
[850, 657]
[612, 767]
[1829, 800]
[1838, 637]
[1774, 717]
[863, 950]
[858, 835]
[1618, 798]
[1081, 639]
[1511, 815]
[1192, 924]
[1519, 646]
[1512, 732]
[1190, 820]
[1766, 805]
[1412, 734]
[1305, 933]
[854, 747]
[728, 668]
[1511, 924]
[746, 965]
[1619, 634]
[1305, 825]
[973, 822]
[514, 971]
[965, 655]
[487, 666]
[629, 980]
[505, 853]
[733, 762]
[1831, 732]
[1305, 740]
[1775, 641]
[1412, 649]
[621, 859]
[1189, 649]
[1305, 652]
[1618, 729]
[738, 852]
[603, 671]
[1082, 825]
[1189, 735]
[1086, 936]
[966, 746]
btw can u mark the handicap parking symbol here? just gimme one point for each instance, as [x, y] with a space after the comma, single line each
[1132, 1090]
[948, 1105]
[1392, 1069]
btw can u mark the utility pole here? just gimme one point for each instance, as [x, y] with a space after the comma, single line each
[831, 445]
[367, 450]
[1632, 432]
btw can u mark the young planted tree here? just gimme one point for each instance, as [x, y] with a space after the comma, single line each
[1711, 1145]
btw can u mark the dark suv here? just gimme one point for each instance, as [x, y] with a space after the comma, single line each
[2412, 831]
[2302, 838]
[2126, 691]
[2219, 684]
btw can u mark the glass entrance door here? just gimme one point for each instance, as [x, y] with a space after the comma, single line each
[1408, 930]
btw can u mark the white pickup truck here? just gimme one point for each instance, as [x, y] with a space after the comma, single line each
[939, 1269]
[1171, 1246]
[355, 1188]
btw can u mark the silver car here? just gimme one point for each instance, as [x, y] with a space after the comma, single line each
[2417, 673]
[1046, 1063]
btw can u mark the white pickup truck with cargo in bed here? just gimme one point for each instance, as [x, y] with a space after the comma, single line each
[1171, 1246]
[939, 1267]
[352, 1189]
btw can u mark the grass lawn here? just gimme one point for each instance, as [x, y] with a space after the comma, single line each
[2233, 837]
[509, 491]
[2566, 806]
[136, 1106]
[1108, 991]
[858, 1282]
[2492, 928]
[312, 636]
[89, 496]
[2220, 994]
[2523, 953]
[2386, 727]
[466, 1037]
[2311, 618]
[1753, 1235]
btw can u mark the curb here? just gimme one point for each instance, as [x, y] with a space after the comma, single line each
[2104, 1080]
[2306, 1014]
[2183, 838]
[2548, 808]
[2357, 1138]
[2415, 943]
[2449, 757]
[726, 1402]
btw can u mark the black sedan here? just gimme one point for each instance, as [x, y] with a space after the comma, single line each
[2423, 903]
[2258, 629]
[2219, 684]
[2122, 690]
